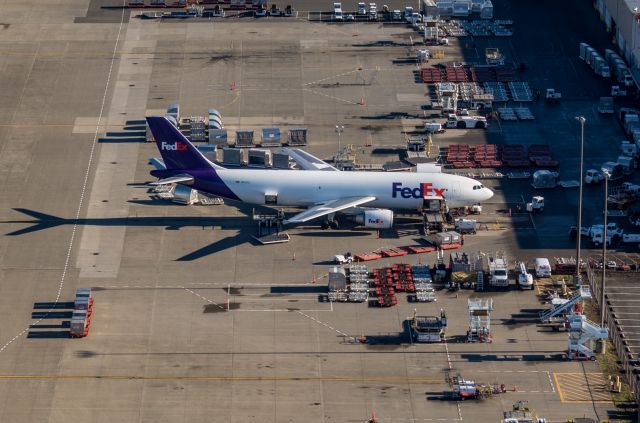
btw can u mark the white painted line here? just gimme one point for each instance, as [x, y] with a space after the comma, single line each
[553, 387]
[325, 324]
[446, 348]
[206, 299]
[84, 184]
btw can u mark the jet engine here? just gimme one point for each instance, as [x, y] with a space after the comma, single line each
[375, 218]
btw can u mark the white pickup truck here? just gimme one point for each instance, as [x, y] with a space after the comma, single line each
[614, 233]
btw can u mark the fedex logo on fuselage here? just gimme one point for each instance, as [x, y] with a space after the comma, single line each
[177, 146]
[426, 189]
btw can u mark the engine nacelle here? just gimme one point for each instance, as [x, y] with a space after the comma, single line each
[375, 218]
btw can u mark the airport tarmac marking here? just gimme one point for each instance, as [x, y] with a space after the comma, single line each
[206, 299]
[582, 387]
[446, 348]
[393, 380]
[329, 96]
[286, 310]
[325, 324]
[332, 77]
[551, 384]
[83, 190]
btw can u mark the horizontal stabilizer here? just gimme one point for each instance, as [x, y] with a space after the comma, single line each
[306, 161]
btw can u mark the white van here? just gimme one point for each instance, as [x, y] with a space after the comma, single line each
[543, 268]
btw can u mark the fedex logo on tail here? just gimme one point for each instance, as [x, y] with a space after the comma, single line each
[426, 189]
[177, 146]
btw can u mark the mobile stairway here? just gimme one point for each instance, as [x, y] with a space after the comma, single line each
[582, 332]
[583, 293]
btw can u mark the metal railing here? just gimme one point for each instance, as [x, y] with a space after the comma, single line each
[627, 360]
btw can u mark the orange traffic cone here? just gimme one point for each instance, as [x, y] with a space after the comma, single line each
[361, 102]
[373, 417]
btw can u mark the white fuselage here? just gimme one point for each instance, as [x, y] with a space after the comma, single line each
[392, 190]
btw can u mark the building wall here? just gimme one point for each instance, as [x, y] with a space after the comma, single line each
[618, 15]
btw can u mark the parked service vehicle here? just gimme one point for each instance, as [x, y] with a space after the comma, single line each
[343, 258]
[536, 204]
[593, 176]
[631, 188]
[525, 279]
[552, 96]
[396, 15]
[433, 128]
[415, 18]
[275, 11]
[616, 91]
[542, 268]
[288, 11]
[408, 12]
[628, 164]
[465, 226]
[584, 231]
[614, 170]
[628, 148]
[466, 122]
[362, 8]
[498, 272]
[614, 233]
[373, 12]
[337, 11]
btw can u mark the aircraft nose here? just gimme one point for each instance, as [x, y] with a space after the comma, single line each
[488, 193]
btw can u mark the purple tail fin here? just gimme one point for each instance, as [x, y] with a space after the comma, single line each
[176, 150]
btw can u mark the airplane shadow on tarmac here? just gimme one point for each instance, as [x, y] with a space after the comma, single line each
[41, 221]
[243, 224]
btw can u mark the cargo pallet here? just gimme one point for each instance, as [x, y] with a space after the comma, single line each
[384, 287]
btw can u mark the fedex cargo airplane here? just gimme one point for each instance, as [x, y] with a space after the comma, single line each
[368, 197]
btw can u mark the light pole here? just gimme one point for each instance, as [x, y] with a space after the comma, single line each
[607, 175]
[339, 131]
[582, 120]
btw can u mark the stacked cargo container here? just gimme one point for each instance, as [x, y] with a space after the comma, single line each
[358, 283]
[423, 283]
[403, 278]
[541, 156]
[590, 56]
[83, 310]
[384, 286]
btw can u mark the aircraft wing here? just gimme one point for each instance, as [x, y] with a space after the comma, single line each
[332, 206]
[178, 179]
[308, 161]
